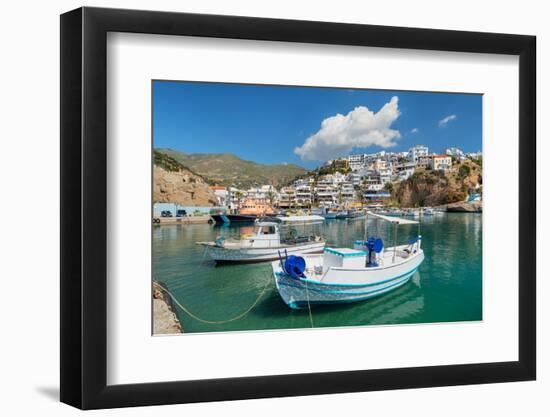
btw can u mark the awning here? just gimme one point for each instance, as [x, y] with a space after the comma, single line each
[395, 220]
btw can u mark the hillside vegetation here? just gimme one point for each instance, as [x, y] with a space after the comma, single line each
[230, 170]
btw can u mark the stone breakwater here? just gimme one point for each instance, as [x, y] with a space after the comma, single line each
[463, 207]
[165, 320]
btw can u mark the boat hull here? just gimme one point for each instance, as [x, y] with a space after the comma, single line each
[233, 218]
[359, 285]
[221, 254]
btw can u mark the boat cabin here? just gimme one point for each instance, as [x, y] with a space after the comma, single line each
[266, 235]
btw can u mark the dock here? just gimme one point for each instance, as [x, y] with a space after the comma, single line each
[182, 220]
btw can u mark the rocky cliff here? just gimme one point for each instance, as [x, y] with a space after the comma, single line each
[174, 183]
[433, 188]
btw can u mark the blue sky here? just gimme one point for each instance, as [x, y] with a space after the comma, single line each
[276, 124]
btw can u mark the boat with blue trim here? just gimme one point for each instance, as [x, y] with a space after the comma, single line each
[343, 275]
[264, 244]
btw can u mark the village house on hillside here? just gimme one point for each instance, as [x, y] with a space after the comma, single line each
[356, 178]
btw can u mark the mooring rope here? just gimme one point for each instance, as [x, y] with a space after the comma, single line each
[309, 306]
[237, 317]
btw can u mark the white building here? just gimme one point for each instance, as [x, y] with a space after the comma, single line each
[357, 161]
[441, 163]
[222, 195]
[416, 152]
[347, 191]
[404, 171]
[424, 162]
[326, 191]
[263, 193]
[455, 152]
[304, 195]
[287, 197]
[354, 178]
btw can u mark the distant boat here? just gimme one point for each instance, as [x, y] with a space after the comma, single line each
[350, 214]
[395, 212]
[343, 214]
[310, 219]
[356, 214]
[262, 245]
[233, 218]
[324, 212]
[249, 211]
[343, 275]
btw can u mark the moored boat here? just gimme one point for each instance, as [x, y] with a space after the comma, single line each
[233, 218]
[301, 220]
[248, 212]
[262, 245]
[342, 214]
[343, 275]
[325, 212]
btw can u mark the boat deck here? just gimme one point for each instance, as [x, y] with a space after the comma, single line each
[314, 263]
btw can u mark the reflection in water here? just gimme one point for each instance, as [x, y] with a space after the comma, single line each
[448, 286]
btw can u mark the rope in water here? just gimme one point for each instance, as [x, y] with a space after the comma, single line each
[309, 307]
[237, 317]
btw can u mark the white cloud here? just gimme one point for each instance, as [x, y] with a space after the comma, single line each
[360, 128]
[414, 130]
[443, 122]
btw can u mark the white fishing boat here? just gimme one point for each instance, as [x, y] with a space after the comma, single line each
[262, 245]
[343, 275]
[301, 220]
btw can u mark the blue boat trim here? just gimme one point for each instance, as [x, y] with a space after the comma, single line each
[302, 304]
[345, 255]
[323, 291]
[309, 281]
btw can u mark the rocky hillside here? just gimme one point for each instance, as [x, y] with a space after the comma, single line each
[175, 183]
[230, 170]
[432, 188]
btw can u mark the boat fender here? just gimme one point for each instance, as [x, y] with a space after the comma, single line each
[374, 245]
[295, 266]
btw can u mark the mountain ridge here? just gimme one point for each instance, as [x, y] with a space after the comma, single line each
[230, 170]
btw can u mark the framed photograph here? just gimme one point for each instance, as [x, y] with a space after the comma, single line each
[256, 208]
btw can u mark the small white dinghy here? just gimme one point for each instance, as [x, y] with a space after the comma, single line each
[343, 275]
[262, 245]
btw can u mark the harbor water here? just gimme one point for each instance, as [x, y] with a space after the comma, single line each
[447, 287]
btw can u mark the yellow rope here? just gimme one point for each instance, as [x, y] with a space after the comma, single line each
[239, 316]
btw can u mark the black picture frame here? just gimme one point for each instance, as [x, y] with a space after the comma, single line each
[84, 207]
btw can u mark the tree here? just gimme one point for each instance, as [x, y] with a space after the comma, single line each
[464, 171]
[359, 194]
[270, 196]
[389, 187]
[239, 194]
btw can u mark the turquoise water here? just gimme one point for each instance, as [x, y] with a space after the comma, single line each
[447, 287]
